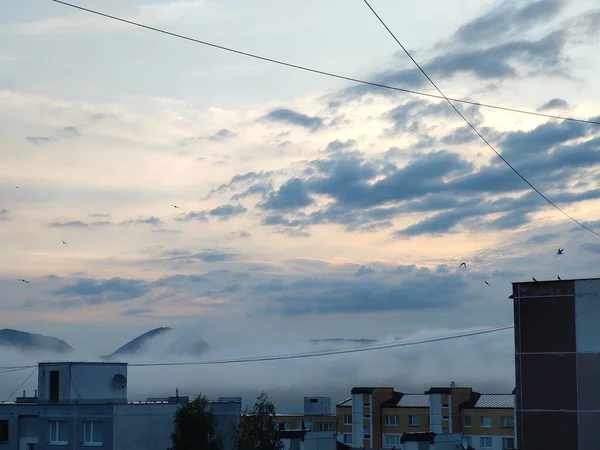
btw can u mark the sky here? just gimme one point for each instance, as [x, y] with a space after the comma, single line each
[308, 207]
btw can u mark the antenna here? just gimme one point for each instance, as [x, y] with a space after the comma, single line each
[119, 381]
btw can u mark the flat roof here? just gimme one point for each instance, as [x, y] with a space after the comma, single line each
[94, 363]
[555, 281]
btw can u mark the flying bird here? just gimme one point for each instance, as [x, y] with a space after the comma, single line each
[559, 277]
[64, 243]
[23, 281]
[488, 283]
[175, 206]
[560, 251]
[463, 264]
[533, 278]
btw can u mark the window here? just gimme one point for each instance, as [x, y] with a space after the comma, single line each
[391, 440]
[413, 421]
[347, 419]
[391, 421]
[3, 431]
[467, 421]
[508, 443]
[92, 433]
[300, 425]
[54, 385]
[314, 400]
[347, 438]
[367, 431]
[283, 426]
[287, 426]
[486, 422]
[508, 422]
[367, 416]
[367, 404]
[485, 442]
[445, 429]
[57, 432]
[325, 426]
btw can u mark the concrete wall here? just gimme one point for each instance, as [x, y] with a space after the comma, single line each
[320, 440]
[83, 382]
[228, 416]
[143, 426]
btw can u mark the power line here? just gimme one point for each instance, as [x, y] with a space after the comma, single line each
[314, 354]
[20, 386]
[475, 129]
[322, 72]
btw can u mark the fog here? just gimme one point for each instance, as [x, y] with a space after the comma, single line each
[485, 362]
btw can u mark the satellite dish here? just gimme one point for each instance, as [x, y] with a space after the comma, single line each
[119, 381]
[465, 443]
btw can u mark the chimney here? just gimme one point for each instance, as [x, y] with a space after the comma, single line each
[24, 394]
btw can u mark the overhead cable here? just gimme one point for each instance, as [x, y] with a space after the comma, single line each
[322, 72]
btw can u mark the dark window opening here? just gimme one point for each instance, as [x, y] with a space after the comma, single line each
[54, 385]
[3, 431]
[314, 400]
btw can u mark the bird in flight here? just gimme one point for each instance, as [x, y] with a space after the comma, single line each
[533, 278]
[488, 283]
[64, 243]
[23, 281]
[559, 277]
[175, 206]
[560, 251]
[463, 264]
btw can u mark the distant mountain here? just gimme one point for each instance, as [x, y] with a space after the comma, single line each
[30, 342]
[343, 341]
[163, 340]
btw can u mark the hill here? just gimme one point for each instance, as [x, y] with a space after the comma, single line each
[30, 342]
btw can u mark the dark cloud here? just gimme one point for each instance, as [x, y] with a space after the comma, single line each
[226, 212]
[291, 195]
[500, 61]
[137, 312]
[337, 145]
[289, 116]
[555, 103]
[240, 180]
[506, 19]
[419, 290]
[363, 271]
[591, 247]
[78, 224]
[41, 140]
[93, 291]
[200, 216]
[154, 221]
[206, 256]
[366, 194]
[542, 238]
[69, 133]
[261, 189]
[221, 135]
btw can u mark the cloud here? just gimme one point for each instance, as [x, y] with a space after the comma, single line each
[291, 195]
[206, 256]
[223, 212]
[78, 224]
[99, 215]
[93, 291]
[69, 133]
[41, 140]
[506, 19]
[219, 136]
[226, 212]
[3, 214]
[542, 238]
[591, 247]
[154, 221]
[240, 180]
[363, 271]
[555, 103]
[137, 312]
[289, 116]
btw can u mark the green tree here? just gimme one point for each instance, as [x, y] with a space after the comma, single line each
[256, 430]
[196, 427]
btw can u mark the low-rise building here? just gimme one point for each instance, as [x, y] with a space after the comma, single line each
[440, 418]
[317, 416]
[81, 405]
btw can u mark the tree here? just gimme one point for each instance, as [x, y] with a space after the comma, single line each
[256, 430]
[196, 427]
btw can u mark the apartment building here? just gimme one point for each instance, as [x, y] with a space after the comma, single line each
[316, 417]
[440, 418]
[81, 405]
[557, 351]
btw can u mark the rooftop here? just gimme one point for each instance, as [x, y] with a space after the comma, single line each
[556, 281]
[414, 401]
[495, 401]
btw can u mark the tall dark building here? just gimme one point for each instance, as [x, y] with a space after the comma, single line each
[557, 364]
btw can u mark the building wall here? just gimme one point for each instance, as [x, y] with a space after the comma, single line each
[228, 414]
[475, 440]
[557, 350]
[495, 416]
[311, 422]
[320, 440]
